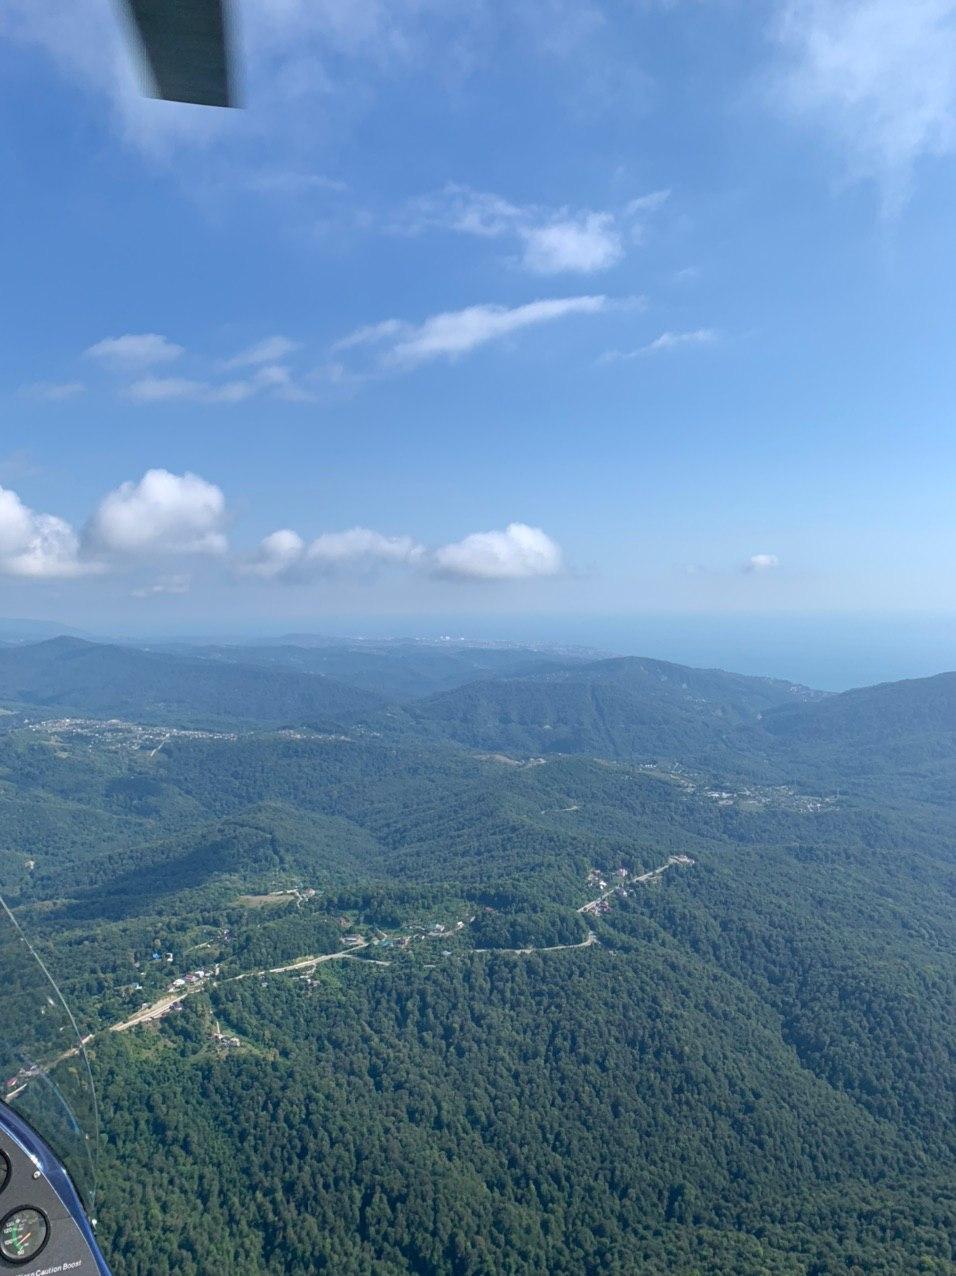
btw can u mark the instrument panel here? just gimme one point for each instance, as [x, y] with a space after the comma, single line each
[43, 1229]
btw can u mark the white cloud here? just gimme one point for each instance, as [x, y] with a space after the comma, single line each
[231, 391]
[275, 381]
[166, 515]
[276, 556]
[360, 544]
[762, 563]
[38, 545]
[666, 341]
[590, 243]
[370, 334]
[552, 240]
[457, 332]
[468, 211]
[517, 553]
[54, 391]
[137, 359]
[879, 75]
[161, 514]
[648, 203]
[674, 340]
[284, 555]
[269, 350]
[134, 350]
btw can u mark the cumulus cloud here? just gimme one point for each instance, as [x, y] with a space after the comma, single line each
[666, 341]
[879, 76]
[163, 513]
[457, 332]
[38, 545]
[517, 553]
[278, 554]
[285, 555]
[550, 240]
[361, 545]
[134, 350]
[762, 563]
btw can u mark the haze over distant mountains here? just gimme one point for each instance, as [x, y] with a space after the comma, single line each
[491, 697]
[833, 652]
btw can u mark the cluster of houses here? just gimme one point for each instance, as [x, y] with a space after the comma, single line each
[116, 733]
[437, 929]
[722, 797]
[616, 883]
[598, 907]
[194, 977]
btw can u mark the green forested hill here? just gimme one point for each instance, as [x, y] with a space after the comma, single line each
[70, 675]
[399, 671]
[738, 1060]
[894, 732]
[900, 715]
[555, 1115]
[623, 708]
[885, 740]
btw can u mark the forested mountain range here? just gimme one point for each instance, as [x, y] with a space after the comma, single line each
[72, 675]
[618, 708]
[512, 961]
[397, 670]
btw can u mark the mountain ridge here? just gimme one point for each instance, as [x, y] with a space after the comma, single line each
[116, 680]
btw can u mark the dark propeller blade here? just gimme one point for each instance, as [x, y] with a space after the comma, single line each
[185, 46]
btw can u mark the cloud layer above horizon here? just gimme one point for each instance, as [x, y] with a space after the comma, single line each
[165, 517]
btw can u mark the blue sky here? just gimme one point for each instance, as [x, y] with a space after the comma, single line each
[487, 310]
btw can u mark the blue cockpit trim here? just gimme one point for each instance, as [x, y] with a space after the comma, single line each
[27, 1139]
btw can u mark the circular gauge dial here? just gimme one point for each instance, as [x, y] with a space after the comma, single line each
[4, 1171]
[22, 1235]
